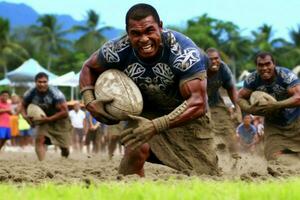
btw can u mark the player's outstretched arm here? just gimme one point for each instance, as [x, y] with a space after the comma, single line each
[194, 106]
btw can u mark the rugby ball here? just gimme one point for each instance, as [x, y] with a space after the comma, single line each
[261, 98]
[35, 112]
[127, 98]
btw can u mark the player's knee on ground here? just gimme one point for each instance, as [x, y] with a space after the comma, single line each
[64, 152]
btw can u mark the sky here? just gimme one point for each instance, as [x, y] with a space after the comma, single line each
[283, 15]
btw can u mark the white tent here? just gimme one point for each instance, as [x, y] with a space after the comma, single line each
[27, 71]
[63, 80]
[69, 79]
[5, 81]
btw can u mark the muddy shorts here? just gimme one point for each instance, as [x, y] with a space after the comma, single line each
[59, 132]
[187, 148]
[281, 138]
[223, 128]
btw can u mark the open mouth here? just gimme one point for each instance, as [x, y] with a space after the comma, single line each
[147, 49]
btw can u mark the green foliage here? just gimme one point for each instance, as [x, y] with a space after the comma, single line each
[92, 38]
[11, 52]
[172, 189]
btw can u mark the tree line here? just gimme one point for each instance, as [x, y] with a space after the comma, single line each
[46, 42]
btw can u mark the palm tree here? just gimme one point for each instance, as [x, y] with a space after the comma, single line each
[92, 38]
[9, 50]
[50, 37]
[263, 38]
[290, 54]
[200, 30]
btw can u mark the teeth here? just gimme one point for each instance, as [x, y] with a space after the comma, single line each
[147, 48]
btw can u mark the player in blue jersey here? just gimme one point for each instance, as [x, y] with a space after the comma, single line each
[219, 77]
[54, 128]
[282, 118]
[170, 70]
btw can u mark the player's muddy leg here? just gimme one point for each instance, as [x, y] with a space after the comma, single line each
[40, 147]
[133, 161]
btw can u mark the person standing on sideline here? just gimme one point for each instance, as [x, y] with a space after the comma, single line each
[5, 112]
[247, 135]
[77, 117]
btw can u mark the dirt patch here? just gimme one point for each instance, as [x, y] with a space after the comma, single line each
[21, 167]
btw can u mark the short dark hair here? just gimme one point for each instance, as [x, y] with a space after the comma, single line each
[141, 11]
[41, 75]
[263, 55]
[212, 49]
[4, 91]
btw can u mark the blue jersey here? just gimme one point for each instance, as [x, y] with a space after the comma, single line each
[223, 78]
[247, 134]
[284, 80]
[159, 80]
[46, 101]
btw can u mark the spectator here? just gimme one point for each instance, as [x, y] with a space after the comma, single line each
[5, 112]
[246, 134]
[77, 117]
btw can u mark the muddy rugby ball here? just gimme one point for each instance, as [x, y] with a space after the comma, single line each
[261, 98]
[35, 112]
[127, 98]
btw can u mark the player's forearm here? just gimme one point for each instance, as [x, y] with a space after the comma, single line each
[192, 110]
[244, 104]
[58, 116]
[232, 93]
[288, 103]
[185, 112]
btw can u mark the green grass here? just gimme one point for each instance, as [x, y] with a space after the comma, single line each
[192, 189]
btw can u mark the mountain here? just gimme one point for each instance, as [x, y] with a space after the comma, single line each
[23, 15]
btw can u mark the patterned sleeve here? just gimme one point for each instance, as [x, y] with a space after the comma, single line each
[58, 96]
[251, 81]
[111, 54]
[289, 78]
[186, 58]
[227, 77]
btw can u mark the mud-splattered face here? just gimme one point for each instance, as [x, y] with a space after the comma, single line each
[42, 84]
[145, 36]
[265, 68]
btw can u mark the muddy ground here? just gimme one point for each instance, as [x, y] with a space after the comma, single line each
[23, 167]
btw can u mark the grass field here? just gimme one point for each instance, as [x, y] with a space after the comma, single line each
[192, 189]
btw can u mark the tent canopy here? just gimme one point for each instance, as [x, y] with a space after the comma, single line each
[27, 71]
[5, 81]
[69, 79]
